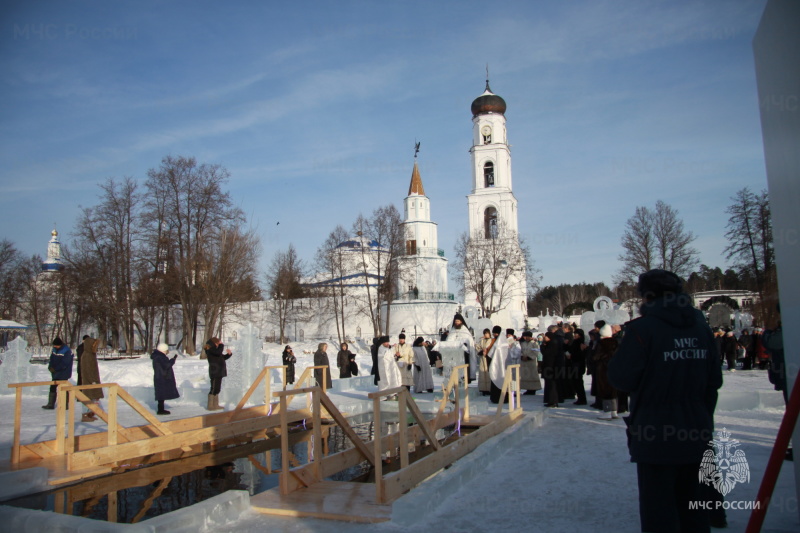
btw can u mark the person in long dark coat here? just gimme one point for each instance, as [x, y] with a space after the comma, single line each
[374, 353]
[321, 359]
[343, 360]
[729, 346]
[89, 373]
[163, 377]
[552, 367]
[606, 347]
[744, 342]
[576, 366]
[289, 360]
[217, 354]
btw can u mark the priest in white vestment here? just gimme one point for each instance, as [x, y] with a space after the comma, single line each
[389, 371]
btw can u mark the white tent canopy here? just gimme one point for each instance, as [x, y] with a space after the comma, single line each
[10, 324]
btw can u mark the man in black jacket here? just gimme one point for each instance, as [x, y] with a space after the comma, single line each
[669, 363]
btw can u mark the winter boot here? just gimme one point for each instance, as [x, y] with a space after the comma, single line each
[609, 406]
[216, 403]
[51, 401]
[213, 403]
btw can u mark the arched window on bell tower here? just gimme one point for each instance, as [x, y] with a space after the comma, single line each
[490, 223]
[488, 174]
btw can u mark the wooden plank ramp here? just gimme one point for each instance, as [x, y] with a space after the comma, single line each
[331, 500]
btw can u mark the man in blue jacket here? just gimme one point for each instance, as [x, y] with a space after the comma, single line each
[669, 363]
[60, 368]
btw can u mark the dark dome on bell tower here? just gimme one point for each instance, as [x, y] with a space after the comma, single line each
[487, 103]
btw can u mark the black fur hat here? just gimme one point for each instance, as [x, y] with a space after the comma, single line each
[657, 282]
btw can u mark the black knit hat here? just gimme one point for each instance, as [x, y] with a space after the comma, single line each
[497, 329]
[402, 336]
[527, 333]
[657, 282]
[58, 342]
[510, 331]
[383, 339]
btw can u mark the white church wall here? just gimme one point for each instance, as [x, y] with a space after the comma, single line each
[420, 318]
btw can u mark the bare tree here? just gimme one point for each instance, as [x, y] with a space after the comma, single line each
[11, 286]
[334, 263]
[749, 234]
[369, 266]
[228, 274]
[656, 239]
[382, 236]
[493, 269]
[105, 258]
[186, 213]
[38, 305]
[386, 229]
[284, 283]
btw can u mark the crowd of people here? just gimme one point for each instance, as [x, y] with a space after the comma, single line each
[665, 367]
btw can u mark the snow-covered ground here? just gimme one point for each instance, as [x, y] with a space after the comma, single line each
[572, 473]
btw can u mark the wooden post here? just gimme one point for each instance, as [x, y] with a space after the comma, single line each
[112, 417]
[60, 420]
[267, 388]
[112, 507]
[284, 477]
[376, 424]
[466, 393]
[71, 426]
[317, 433]
[15, 448]
[403, 428]
[58, 501]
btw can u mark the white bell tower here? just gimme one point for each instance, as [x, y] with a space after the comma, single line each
[492, 205]
[492, 200]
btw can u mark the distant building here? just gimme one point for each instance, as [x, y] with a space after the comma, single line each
[736, 300]
[53, 263]
[422, 303]
[423, 268]
[491, 204]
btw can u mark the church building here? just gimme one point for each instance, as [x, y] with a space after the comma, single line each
[492, 211]
[422, 302]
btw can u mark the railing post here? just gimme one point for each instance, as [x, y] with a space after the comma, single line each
[267, 389]
[376, 409]
[71, 425]
[15, 448]
[112, 415]
[403, 427]
[60, 419]
[284, 477]
[466, 394]
[317, 433]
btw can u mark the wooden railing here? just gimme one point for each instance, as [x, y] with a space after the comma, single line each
[308, 373]
[511, 386]
[404, 401]
[15, 447]
[263, 376]
[120, 442]
[452, 386]
[318, 468]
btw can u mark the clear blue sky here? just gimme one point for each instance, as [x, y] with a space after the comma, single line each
[314, 108]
